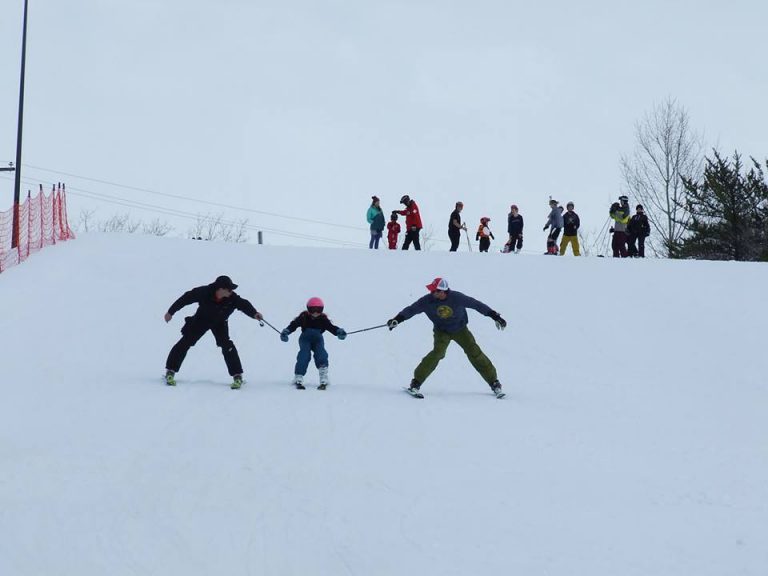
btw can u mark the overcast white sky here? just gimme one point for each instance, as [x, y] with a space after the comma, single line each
[308, 107]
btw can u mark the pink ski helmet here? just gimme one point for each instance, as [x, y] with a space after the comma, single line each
[315, 302]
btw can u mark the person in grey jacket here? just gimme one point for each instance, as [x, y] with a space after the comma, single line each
[555, 224]
[447, 309]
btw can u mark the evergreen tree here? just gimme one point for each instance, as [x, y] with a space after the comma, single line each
[729, 212]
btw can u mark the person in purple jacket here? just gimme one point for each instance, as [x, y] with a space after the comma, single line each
[447, 309]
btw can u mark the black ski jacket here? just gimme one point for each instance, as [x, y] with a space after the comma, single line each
[638, 226]
[305, 321]
[514, 224]
[209, 310]
[571, 223]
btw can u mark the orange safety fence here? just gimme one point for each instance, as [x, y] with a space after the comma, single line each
[42, 222]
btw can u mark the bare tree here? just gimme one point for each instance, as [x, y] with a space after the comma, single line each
[214, 227]
[666, 151]
[120, 223]
[83, 223]
[156, 228]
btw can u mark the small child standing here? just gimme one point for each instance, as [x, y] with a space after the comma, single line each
[313, 322]
[484, 234]
[393, 230]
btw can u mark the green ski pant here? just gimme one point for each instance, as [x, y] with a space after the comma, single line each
[467, 342]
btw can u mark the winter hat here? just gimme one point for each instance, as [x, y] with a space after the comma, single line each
[569, 205]
[315, 302]
[438, 284]
[639, 207]
[405, 199]
[485, 220]
[513, 207]
[552, 202]
[623, 198]
[459, 204]
[375, 198]
[393, 216]
[224, 282]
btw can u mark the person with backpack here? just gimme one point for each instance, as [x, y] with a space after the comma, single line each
[447, 309]
[619, 213]
[484, 234]
[375, 218]
[638, 230]
[571, 225]
[412, 222]
[215, 303]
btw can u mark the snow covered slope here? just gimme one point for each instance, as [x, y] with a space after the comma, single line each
[633, 440]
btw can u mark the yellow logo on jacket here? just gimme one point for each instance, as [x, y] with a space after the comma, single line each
[444, 312]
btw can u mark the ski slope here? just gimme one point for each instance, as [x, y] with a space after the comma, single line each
[633, 439]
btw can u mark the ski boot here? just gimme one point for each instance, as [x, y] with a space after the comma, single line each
[413, 390]
[170, 378]
[298, 381]
[496, 387]
[323, 378]
[237, 382]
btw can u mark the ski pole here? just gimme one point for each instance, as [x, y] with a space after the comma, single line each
[366, 329]
[262, 322]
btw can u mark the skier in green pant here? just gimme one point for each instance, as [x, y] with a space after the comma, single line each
[447, 309]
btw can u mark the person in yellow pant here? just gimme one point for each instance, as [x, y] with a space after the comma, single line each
[571, 225]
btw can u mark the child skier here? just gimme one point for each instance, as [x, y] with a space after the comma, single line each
[484, 234]
[393, 231]
[313, 322]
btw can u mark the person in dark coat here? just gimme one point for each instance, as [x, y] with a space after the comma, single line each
[216, 303]
[515, 230]
[571, 225]
[447, 309]
[638, 230]
[455, 226]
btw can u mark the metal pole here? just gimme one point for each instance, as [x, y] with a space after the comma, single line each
[17, 183]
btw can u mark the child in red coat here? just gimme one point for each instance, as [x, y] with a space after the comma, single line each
[393, 230]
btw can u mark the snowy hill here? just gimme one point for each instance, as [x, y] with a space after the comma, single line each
[632, 440]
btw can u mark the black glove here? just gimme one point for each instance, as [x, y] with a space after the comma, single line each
[610, 230]
[500, 322]
[545, 228]
[392, 324]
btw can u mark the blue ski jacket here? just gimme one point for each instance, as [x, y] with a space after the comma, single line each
[449, 315]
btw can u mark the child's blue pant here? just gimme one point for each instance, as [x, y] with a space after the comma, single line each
[311, 341]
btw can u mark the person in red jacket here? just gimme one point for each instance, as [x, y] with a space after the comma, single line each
[412, 222]
[393, 231]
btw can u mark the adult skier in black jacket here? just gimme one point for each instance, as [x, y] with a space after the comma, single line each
[638, 230]
[216, 303]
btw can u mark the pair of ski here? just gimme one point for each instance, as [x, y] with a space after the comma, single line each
[302, 387]
[417, 394]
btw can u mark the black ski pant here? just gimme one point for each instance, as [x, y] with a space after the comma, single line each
[515, 242]
[485, 243]
[412, 236]
[455, 238]
[191, 332]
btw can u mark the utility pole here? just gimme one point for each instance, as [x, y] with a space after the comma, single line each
[17, 183]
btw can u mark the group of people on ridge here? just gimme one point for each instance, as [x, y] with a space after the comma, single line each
[446, 308]
[629, 232]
